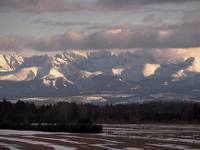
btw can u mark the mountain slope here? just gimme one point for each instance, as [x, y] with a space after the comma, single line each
[24, 74]
[94, 71]
[10, 62]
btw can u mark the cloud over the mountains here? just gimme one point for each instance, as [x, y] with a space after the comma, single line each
[180, 35]
[168, 55]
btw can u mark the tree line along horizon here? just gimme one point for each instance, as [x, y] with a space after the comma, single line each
[70, 113]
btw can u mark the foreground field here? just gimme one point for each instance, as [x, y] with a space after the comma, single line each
[115, 137]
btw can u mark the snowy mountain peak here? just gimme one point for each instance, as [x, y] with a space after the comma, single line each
[69, 57]
[195, 66]
[9, 62]
[53, 74]
[190, 69]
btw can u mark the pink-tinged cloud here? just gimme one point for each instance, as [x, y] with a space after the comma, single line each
[182, 35]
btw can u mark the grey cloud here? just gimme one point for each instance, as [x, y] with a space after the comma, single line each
[135, 4]
[15, 43]
[59, 23]
[43, 6]
[182, 35]
[153, 18]
[140, 2]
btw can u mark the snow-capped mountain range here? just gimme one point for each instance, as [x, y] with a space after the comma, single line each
[74, 72]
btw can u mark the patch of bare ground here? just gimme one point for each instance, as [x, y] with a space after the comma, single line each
[3, 148]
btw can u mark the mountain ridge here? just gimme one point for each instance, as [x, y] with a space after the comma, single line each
[93, 71]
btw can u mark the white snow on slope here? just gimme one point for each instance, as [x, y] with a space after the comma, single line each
[8, 62]
[149, 69]
[189, 72]
[86, 74]
[53, 74]
[25, 74]
[34, 142]
[117, 71]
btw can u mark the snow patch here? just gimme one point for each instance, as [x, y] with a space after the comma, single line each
[54, 146]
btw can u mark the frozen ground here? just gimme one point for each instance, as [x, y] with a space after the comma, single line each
[115, 137]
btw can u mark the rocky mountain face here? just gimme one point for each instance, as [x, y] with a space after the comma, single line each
[74, 72]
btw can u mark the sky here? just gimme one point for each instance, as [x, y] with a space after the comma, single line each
[55, 25]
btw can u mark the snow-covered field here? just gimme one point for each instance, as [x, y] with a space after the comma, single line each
[115, 137]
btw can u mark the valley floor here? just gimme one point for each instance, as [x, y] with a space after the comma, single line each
[114, 137]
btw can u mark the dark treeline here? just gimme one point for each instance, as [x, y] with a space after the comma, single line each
[71, 113]
[63, 117]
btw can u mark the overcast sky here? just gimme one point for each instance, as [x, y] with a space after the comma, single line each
[52, 25]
